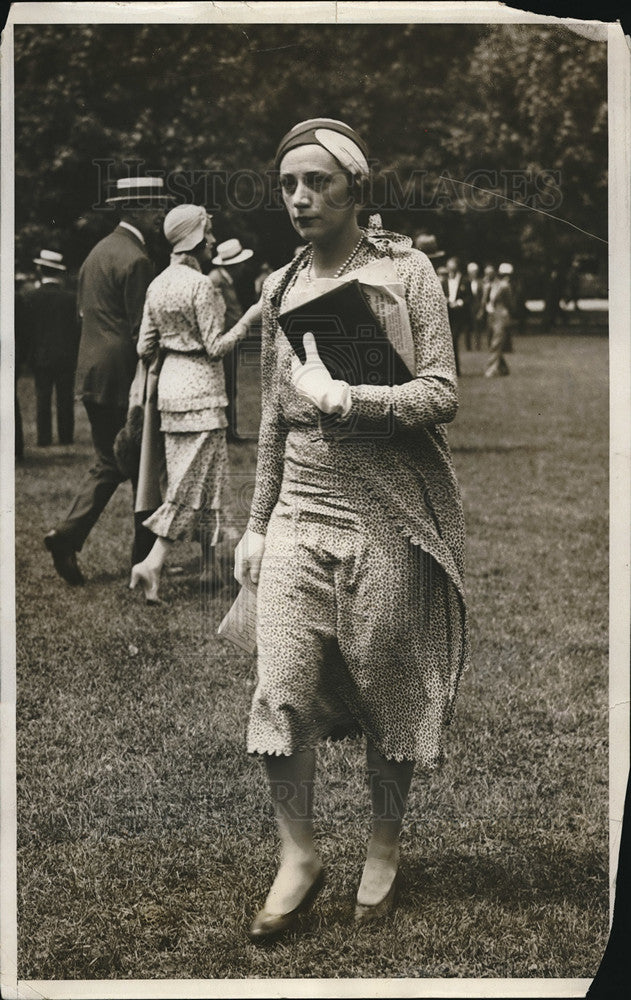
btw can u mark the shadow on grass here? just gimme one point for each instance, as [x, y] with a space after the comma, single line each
[492, 449]
[61, 456]
[551, 876]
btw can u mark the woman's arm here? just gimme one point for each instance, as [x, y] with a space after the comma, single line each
[272, 434]
[148, 337]
[432, 397]
[210, 310]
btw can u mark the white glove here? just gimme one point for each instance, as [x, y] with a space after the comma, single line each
[247, 557]
[313, 381]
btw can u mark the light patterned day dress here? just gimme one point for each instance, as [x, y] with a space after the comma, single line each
[361, 622]
[184, 316]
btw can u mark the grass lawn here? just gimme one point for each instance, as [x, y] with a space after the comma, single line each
[145, 839]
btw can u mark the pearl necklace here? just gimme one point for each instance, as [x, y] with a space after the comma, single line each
[342, 268]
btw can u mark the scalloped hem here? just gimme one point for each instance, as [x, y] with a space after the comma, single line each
[399, 758]
[179, 523]
[333, 737]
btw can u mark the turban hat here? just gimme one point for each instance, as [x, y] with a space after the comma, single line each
[184, 227]
[340, 140]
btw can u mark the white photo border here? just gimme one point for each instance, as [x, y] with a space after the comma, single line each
[619, 89]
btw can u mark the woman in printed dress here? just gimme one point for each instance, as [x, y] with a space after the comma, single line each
[355, 538]
[184, 318]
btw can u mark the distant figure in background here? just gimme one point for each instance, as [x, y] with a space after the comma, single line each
[230, 255]
[48, 319]
[20, 355]
[572, 282]
[113, 281]
[184, 317]
[489, 280]
[458, 294]
[476, 317]
[552, 306]
[266, 269]
[428, 244]
[502, 300]
[519, 310]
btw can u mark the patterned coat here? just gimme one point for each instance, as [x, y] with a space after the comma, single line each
[410, 473]
[184, 316]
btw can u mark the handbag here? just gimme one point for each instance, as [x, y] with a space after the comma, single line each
[128, 441]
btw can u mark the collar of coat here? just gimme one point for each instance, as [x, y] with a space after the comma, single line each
[381, 241]
[187, 259]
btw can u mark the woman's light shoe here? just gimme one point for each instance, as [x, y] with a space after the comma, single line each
[149, 580]
[364, 913]
[268, 926]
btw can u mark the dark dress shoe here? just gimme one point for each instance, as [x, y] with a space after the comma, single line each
[64, 558]
[267, 927]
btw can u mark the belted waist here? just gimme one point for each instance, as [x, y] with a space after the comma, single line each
[196, 352]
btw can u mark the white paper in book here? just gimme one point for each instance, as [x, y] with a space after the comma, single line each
[239, 624]
[386, 294]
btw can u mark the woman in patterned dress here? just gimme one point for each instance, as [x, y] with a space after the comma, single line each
[355, 538]
[184, 317]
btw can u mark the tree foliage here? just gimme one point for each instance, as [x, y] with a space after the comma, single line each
[537, 107]
[437, 103]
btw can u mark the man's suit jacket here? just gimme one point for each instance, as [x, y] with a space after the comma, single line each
[48, 315]
[458, 316]
[476, 302]
[113, 281]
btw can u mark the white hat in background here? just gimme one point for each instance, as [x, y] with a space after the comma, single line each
[505, 269]
[50, 258]
[231, 252]
[184, 226]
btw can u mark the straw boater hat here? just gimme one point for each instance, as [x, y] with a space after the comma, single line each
[505, 269]
[231, 252]
[50, 258]
[133, 190]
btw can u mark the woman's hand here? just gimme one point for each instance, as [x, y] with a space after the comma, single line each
[313, 381]
[253, 315]
[247, 557]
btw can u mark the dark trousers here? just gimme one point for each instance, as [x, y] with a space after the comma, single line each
[62, 380]
[454, 338]
[19, 433]
[230, 362]
[457, 323]
[467, 330]
[101, 483]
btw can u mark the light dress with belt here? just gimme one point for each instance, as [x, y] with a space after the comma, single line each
[361, 622]
[184, 317]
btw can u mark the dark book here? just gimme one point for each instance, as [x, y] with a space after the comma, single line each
[349, 337]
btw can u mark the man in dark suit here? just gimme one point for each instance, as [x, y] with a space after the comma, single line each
[23, 285]
[48, 316]
[458, 295]
[476, 319]
[112, 285]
